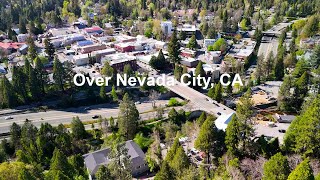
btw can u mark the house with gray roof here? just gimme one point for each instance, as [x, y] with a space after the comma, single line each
[95, 159]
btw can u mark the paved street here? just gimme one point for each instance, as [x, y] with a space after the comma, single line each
[55, 117]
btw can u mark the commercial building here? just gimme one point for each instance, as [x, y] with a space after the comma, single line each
[100, 53]
[189, 62]
[119, 60]
[167, 27]
[98, 158]
[81, 59]
[90, 48]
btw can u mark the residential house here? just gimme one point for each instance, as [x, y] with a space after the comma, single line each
[99, 158]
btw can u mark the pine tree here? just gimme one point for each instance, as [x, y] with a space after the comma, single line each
[233, 136]
[19, 82]
[284, 95]
[174, 48]
[199, 70]
[218, 93]
[202, 118]
[15, 135]
[173, 149]
[114, 94]
[165, 172]
[128, 117]
[211, 92]
[35, 86]
[192, 43]
[303, 134]
[59, 162]
[8, 95]
[49, 48]
[128, 70]
[32, 49]
[24, 174]
[120, 165]
[102, 93]
[180, 162]
[177, 72]
[58, 74]
[279, 67]
[22, 26]
[302, 171]
[42, 75]
[77, 128]
[210, 139]
[276, 168]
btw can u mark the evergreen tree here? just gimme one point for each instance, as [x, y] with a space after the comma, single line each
[233, 135]
[77, 128]
[210, 139]
[35, 87]
[42, 75]
[180, 162]
[103, 95]
[199, 70]
[303, 135]
[32, 49]
[128, 117]
[120, 163]
[177, 72]
[174, 48]
[114, 94]
[15, 135]
[173, 149]
[128, 70]
[211, 92]
[8, 96]
[59, 162]
[193, 44]
[202, 118]
[22, 26]
[19, 82]
[218, 93]
[59, 74]
[302, 171]
[49, 48]
[165, 172]
[24, 174]
[285, 96]
[276, 168]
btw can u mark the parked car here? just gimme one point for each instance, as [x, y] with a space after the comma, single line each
[8, 118]
[95, 117]
[138, 102]
[282, 131]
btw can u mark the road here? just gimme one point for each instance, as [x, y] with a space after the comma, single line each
[55, 117]
[200, 100]
[266, 48]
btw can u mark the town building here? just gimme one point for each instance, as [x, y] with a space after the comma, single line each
[90, 48]
[93, 30]
[208, 42]
[167, 27]
[98, 158]
[81, 59]
[223, 120]
[10, 47]
[119, 60]
[103, 52]
[189, 62]
[188, 53]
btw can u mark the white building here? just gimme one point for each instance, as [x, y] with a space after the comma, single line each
[208, 42]
[223, 120]
[81, 59]
[167, 27]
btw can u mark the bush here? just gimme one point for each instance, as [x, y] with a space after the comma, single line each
[173, 102]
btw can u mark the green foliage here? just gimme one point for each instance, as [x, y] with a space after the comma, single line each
[276, 168]
[128, 117]
[199, 70]
[143, 142]
[210, 139]
[103, 173]
[219, 45]
[59, 74]
[302, 172]
[180, 161]
[158, 62]
[77, 128]
[173, 102]
[192, 43]
[303, 134]
[174, 48]
[114, 94]
[202, 118]
[165, 172]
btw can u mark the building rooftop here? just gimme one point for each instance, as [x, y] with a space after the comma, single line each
[223, 120]
[97, 158]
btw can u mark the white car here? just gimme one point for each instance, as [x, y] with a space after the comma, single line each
[138, 102]
[8, 118]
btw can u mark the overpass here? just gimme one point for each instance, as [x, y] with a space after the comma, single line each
[202, 101]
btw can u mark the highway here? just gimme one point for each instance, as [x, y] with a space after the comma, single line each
[55, 117]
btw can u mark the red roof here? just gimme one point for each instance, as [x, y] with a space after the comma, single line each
[93, 29]
[11, 45]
